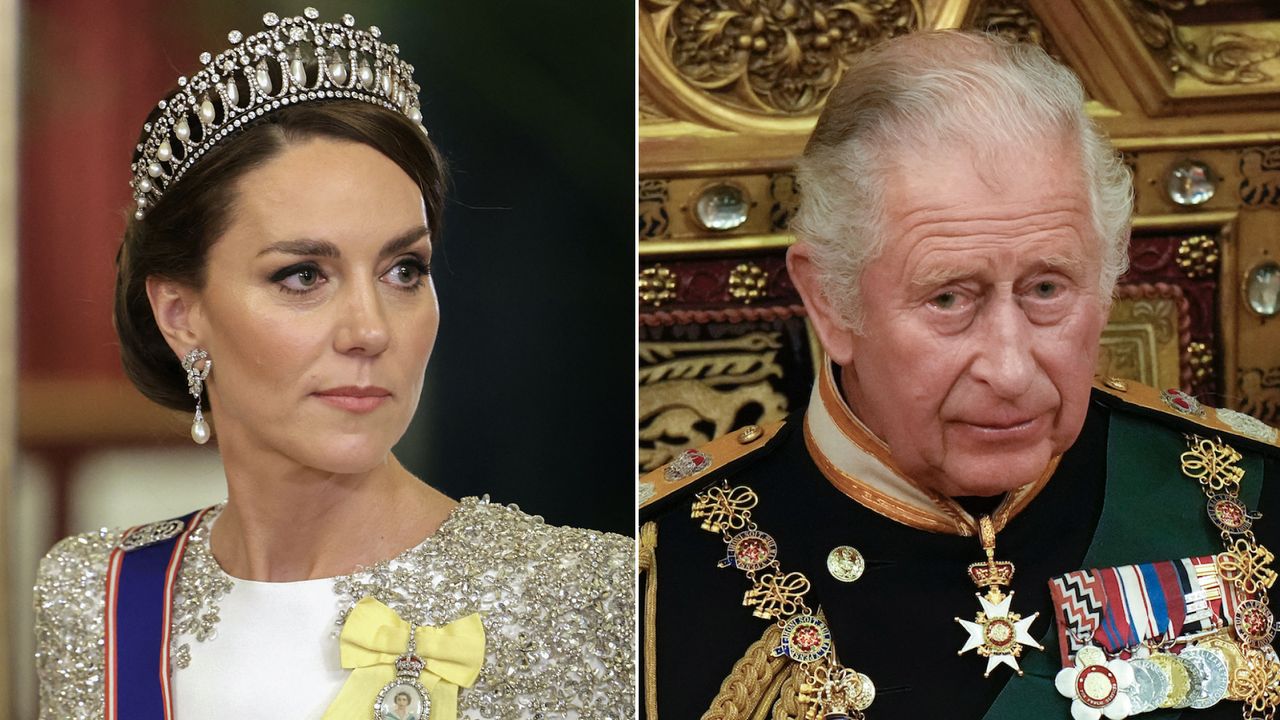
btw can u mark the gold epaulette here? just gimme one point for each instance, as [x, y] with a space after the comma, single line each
[1179, 404]
[686, 469]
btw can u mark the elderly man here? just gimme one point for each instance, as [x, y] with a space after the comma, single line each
[961, 231]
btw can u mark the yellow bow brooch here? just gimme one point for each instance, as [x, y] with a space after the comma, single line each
[376, 644]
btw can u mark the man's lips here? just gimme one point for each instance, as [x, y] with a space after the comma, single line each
[353, 398]
[1003, 428]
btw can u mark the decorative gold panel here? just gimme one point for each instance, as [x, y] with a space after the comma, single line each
[1143, 338]
[1213, 54]
[690, 392]
[739, 65]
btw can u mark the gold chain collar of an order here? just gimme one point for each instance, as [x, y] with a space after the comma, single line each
[1246, 565]
[829, 689]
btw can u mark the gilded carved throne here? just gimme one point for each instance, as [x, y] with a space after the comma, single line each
[729, 89]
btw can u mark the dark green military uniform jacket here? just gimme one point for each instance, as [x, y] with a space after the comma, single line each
[1117, 497]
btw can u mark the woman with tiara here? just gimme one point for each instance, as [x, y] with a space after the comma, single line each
[287, 202]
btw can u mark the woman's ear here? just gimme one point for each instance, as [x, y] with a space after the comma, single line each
[177, 309]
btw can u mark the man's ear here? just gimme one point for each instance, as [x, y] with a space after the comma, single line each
[836, 337]
[177, 309]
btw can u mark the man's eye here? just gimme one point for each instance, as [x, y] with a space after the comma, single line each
[944, 301]
[1046, 289]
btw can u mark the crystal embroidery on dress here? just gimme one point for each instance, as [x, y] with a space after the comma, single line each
[557, 605]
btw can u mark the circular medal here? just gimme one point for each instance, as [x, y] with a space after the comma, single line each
[1254, 623]
[867, 695]
[1096, 686]
[1228, 514]
[805, 638]
[999, 634]
[845, 563]
[1194, 682]
[1179, 679]
[1213, 675]
[1150, 685]
[751, 550]
[1229, 651]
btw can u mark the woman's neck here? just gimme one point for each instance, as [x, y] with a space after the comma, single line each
[284, 522]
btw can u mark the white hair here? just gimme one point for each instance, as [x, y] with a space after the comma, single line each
[928, 89]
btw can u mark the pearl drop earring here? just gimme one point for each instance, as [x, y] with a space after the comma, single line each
[197, 364]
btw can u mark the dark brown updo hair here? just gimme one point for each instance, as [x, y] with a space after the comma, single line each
[173, 240]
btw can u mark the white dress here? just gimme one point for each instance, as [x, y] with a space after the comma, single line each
[557, 606]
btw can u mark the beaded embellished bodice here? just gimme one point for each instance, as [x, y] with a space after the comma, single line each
[557, 605]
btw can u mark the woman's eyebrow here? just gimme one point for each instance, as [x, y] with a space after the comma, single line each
[324, 248]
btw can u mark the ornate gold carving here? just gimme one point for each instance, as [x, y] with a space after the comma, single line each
[691, 392]
[747, 282]
[1246, 564]
[774, 596]
[1213, 464]
[1220, 57]
[655, 222]
[656, 285]
[1141, 341]
[1198, 256]
[723, 509]
[649, 110]
[776, 58]
[1260, 393]
[1201, 359]
[1260, 181]
[785, 193]
[1015, 20]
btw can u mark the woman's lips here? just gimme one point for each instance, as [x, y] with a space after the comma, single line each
[355, 399]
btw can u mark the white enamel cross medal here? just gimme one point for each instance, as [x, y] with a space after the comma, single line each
[997, 633]
[404, 698]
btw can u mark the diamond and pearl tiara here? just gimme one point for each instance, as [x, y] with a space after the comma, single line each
[293, 60]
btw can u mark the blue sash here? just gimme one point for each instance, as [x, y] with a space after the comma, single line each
[141, 572]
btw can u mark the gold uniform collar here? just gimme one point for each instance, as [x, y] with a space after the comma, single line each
[859, 465]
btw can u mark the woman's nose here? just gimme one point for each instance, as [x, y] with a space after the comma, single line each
[362, 324]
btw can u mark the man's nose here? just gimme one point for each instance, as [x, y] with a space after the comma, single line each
[1005, 359]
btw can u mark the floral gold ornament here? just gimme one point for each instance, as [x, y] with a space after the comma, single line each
[998, 634]
[656, 285]
[1201, 359]
[828, 691]
[747, 282]
[1198, 256]
[764, 58]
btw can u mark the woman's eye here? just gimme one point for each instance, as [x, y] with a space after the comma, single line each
[298, 278]
[408, 273]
